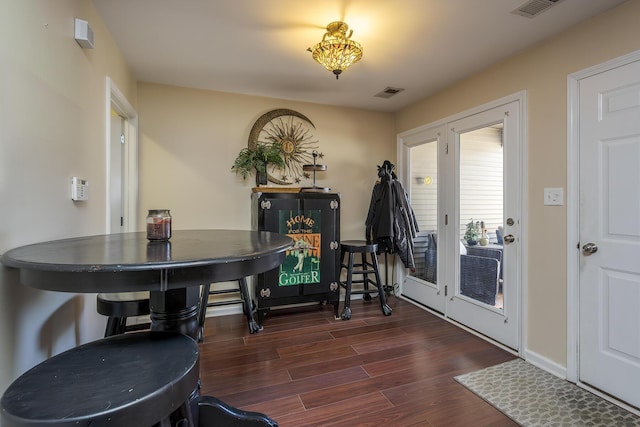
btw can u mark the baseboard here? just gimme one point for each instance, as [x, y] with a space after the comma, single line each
[224, 310]
[545, 364]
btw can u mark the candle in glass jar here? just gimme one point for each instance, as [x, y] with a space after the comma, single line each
[159, 224]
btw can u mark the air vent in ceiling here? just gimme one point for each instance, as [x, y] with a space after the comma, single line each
[388, 92]
[534, 7]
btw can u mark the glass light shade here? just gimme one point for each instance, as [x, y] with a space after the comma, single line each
[337, 55]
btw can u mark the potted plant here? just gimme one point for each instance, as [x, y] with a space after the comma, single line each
[255, 160]
[471, 233]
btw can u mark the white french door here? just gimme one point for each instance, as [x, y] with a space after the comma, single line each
[466, 169]
[492, 310]
[425, 151]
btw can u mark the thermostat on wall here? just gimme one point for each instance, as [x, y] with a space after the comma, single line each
[79, 189]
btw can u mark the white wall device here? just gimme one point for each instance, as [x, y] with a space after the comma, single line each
[79, 189]
[553, 196]
[83, 34]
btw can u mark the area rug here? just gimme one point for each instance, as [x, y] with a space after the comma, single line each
[533, 397]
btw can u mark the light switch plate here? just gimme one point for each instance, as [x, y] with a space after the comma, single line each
[554, 196]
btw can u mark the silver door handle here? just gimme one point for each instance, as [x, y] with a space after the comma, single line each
[509, 238]
[590, 248]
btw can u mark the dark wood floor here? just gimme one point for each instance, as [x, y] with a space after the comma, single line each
[307, 369]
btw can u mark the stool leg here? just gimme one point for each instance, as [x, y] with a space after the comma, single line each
[386, 310]
[123, 325]
[341, 284]
[202, 312]
[346, 312]
[365, 276]
[248, 310]
[182, 417]
[113, 326]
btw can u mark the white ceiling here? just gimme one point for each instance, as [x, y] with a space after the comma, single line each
[258, 47]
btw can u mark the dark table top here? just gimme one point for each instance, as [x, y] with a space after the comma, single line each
[129, 262]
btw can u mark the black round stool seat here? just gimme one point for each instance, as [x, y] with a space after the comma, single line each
[136, 379]
[358, 246]
[119, 307]
[123, 304]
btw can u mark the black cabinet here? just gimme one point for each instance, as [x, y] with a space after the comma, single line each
[311, 269]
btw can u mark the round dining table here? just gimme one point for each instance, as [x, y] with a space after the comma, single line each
[171, 270]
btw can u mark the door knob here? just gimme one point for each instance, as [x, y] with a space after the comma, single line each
[590, 248]
[509, 238]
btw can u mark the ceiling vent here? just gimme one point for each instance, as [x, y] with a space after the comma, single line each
[388, 92]
[534, 7]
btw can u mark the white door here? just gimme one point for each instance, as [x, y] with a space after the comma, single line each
[609, 278]
[116, 176]
[426, 150]
[486, 285]
[467, 167]
[122, 162]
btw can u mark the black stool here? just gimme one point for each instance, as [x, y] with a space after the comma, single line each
[140, 379]
[119, 306]
[364, 268]
[243, 298]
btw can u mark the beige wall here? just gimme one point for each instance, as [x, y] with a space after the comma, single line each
[52, 127]
[542, 71]
[189, 139]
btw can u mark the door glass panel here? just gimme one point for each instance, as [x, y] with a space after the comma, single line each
[424, 201]
[481, 215]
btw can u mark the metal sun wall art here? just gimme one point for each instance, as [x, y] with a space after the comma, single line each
[292, 133]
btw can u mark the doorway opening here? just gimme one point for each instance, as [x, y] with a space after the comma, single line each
[603, 238]
[122, 161]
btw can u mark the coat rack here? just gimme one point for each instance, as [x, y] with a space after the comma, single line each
[391, 221]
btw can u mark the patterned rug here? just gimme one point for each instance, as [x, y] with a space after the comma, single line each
[533, 397]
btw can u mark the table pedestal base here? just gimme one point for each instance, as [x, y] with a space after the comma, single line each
[175, 310]
[214, 412]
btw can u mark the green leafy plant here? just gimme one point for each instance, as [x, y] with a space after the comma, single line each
[471, 233]
[255, 160]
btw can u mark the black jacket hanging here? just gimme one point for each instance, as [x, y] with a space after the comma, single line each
[391, 222]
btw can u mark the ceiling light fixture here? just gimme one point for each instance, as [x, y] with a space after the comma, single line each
[336, 52]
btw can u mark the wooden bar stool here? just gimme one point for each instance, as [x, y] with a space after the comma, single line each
[365, 268]
[243, 298]
[139, 379]
[121, 305]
